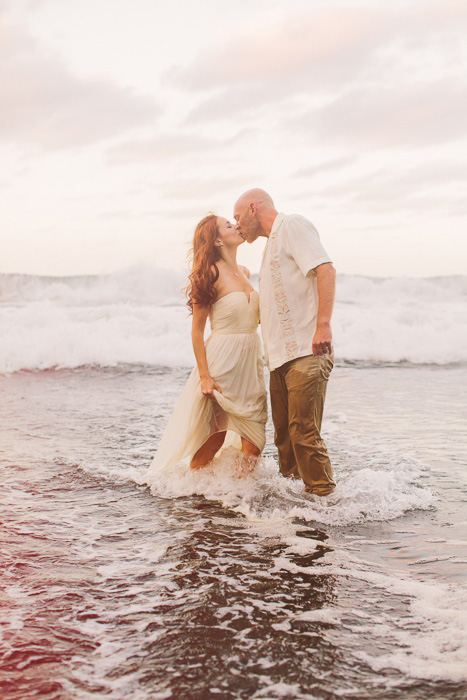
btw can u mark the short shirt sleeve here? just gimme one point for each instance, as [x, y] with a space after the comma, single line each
[303, 244]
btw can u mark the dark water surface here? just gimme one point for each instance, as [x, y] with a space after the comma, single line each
[232, 590]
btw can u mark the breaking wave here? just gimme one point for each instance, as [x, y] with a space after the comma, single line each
[138, 316]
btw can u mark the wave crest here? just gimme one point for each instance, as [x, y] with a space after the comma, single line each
[137, 316]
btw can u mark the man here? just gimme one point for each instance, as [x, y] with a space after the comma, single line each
[297, 286]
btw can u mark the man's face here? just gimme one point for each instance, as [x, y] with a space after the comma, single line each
[247, 224]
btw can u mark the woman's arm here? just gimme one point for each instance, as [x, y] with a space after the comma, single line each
[200, 315]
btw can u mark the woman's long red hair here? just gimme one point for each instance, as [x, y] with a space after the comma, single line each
[204, 271]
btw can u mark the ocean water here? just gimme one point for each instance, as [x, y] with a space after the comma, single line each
[215, 585]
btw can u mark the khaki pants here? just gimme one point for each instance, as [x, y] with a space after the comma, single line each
[298, 390]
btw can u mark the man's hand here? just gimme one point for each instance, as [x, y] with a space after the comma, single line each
[207, 388]
[322, 339]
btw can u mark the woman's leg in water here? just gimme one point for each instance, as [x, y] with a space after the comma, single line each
[250, 456]
[249, 450]
[206, 452]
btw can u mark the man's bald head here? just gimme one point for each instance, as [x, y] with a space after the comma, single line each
[254, 212]
[255, 196]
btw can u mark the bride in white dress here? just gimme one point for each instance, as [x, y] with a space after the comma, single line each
[224, 401]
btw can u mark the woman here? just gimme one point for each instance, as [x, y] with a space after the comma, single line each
[224, 401]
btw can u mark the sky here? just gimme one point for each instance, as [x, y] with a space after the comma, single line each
[123, 122]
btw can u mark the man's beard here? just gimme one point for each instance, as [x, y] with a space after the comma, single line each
[254, 229]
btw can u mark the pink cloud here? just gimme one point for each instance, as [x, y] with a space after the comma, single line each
[44, 103]
[273, 51]
[323, 53]
[160, 147]
[386, 116]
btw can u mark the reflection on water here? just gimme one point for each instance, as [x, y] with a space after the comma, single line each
[109, 591]
[106, 600]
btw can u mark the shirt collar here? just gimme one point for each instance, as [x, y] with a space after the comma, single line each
[275, 225]
[277, 222]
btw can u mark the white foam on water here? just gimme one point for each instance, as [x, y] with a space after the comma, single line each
[42, 335]
[329, 615]
[431, 643]
[155, 285]
[428, 641]
[139, 284]
[361, 495]
[137, 316]
[279, 690]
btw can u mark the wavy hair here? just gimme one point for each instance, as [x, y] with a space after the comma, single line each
[204, 271]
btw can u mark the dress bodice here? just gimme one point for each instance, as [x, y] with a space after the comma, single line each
[235, 313]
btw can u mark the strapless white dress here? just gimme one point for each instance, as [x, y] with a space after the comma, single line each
[233, 353]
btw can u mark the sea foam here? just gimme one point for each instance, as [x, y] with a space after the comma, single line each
[138, 317]
[385, 492]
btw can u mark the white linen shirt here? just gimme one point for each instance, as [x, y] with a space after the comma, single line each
[288, 289]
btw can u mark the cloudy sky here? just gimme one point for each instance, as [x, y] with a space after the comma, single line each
[122, 122]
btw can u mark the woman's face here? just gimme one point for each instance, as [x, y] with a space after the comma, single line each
[229, 234]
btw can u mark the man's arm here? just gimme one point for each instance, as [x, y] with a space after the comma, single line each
[326, 279]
